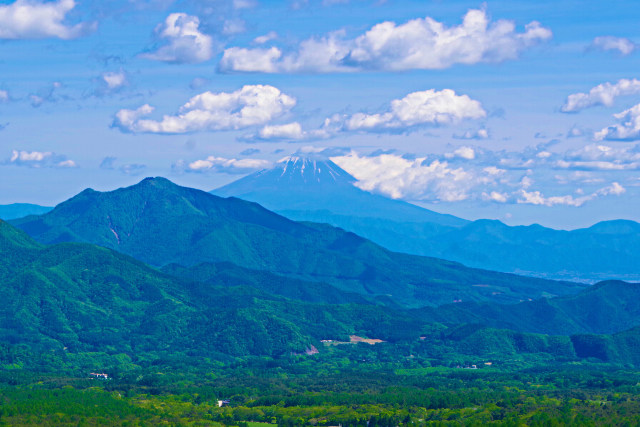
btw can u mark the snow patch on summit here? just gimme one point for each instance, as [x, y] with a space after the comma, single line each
[308, 169]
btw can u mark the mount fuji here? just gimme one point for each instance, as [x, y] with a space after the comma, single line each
[310, 189]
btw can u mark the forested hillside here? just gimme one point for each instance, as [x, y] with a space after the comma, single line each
[161, 223]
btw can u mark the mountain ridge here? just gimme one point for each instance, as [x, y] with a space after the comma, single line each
[161, 223]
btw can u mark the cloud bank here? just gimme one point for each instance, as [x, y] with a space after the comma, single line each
[417, 109]
[471, 173]
[424, 44]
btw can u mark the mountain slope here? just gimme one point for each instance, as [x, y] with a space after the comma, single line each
[161, 223]
[79, 296]
[227, 274]
[303, 190]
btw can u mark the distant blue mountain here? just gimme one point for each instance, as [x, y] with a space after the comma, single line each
[18, 210]
[604, 308]
[307, 189]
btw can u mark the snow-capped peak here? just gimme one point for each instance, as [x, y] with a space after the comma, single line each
[309, 170]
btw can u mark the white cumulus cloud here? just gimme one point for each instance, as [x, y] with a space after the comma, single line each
[271, 35]
[603, 94]
[287, 131]
[495, 196]
[31, 19]
[425, 108]
[473, 134]
[184, 41]
[252, 105]
[627, 130]
[429, 107]
[422, 43]
[291, 132]
[621, 44]
[447, 179]
[251, 60]
[400, 178]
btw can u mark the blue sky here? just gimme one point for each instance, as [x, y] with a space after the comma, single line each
[516, 110]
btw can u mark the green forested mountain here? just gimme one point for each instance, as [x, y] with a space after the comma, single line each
[86, 298]
[161, 223]
[82, 296]
[239, 280]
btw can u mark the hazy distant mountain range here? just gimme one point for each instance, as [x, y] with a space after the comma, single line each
[161, 223]
[18, 210]
[308, 189]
